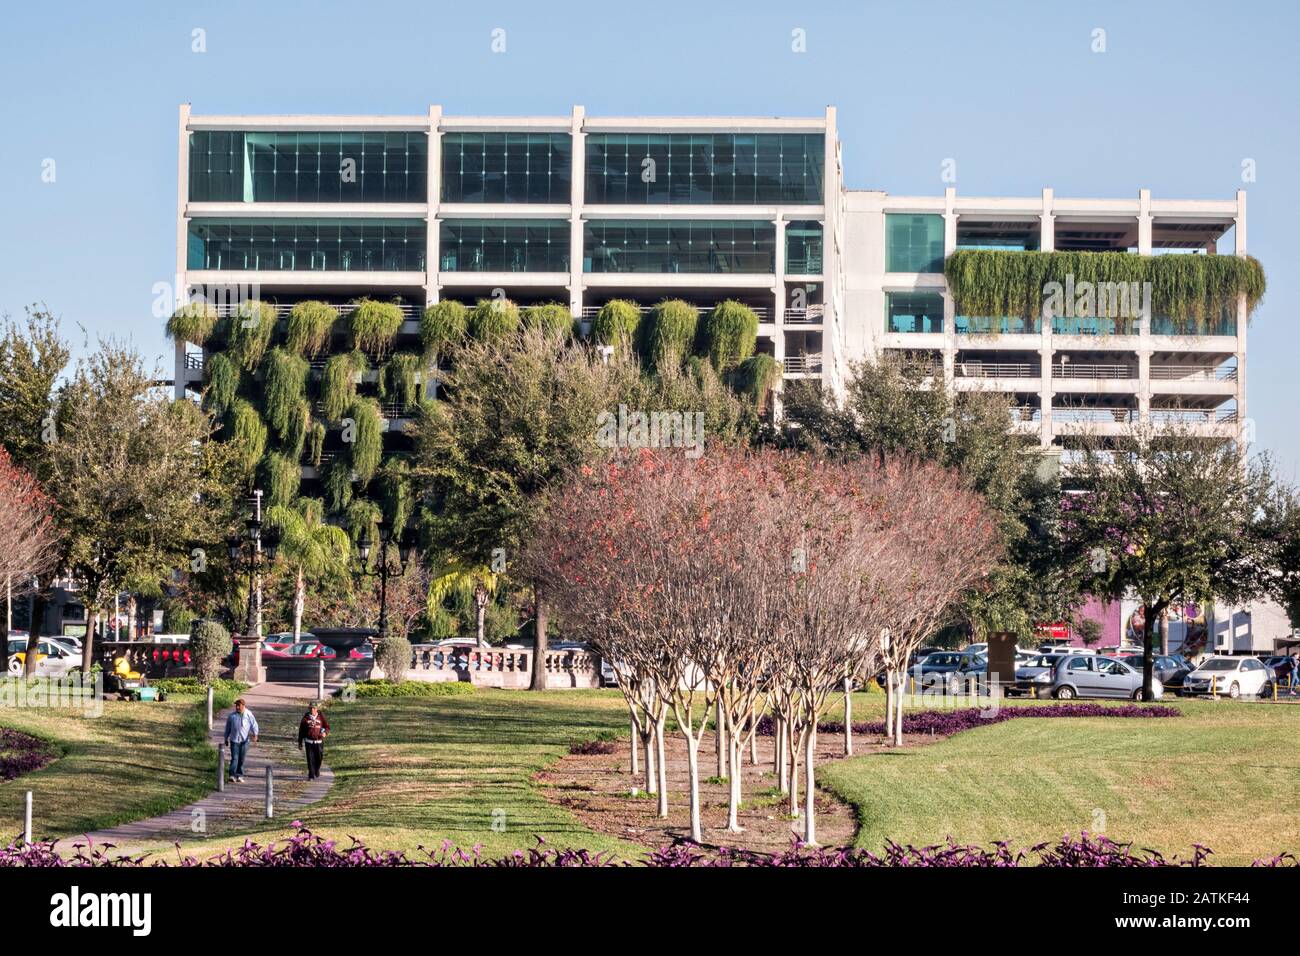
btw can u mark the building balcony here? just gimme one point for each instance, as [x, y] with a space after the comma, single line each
[978, 368]
[813, 315]
[808, 364]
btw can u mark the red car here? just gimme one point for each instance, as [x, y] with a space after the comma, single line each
[309, 649]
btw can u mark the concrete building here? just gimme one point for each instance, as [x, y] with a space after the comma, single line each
[581, 209]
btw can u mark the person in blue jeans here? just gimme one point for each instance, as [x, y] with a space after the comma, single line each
[241, 728]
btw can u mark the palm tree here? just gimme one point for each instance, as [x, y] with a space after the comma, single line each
[476, 580]
[315, 551]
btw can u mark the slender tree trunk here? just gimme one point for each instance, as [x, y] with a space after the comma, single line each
[889, 703]
[87, 648]
[898, 719]
[636, 738]
[662, 761]
[719, 737]
[539, 655]
[37, 617]
[792, 758]
[782, 769]
[693, 772]
[733, 800]
[480, 610]
[651, 774]
[299, 602]
[1164, 632]
[810, 752]
[848, 717]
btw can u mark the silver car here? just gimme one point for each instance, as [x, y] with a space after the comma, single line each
[1091, 675]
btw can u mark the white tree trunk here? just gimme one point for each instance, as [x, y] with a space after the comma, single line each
[889, 703]
[663, 769]
[651, 775]
[782, 768]
[693, 772]
[848, 717]
[810, 749]
[720, 737]
[898, 722]
[636, 739]
[792, 756]
[299, 602]
[733, 802]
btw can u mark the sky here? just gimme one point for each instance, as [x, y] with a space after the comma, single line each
[1016, 93]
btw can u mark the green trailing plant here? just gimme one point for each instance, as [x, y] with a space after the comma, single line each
[309, 327]
[396, 496]
[553, 318]
[315, 443]
[223, 383]
[1192, 290]
[299, 427]
[249, 332]
[400, 379]
[374, 325]
[247, 435]
[669, 333]
[493, 319]
[442, 325]
[193, 322]
[363, 517]
[616, 323]
[338, 383]
[337, 482]
[728, 334]
[284, 383]
[756, 377]
[281, 477]
[366, 434]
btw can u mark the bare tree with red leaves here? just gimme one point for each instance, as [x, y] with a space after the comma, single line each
[28, 537]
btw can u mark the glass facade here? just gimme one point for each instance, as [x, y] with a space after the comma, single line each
[803, 248]
[985, 325]
[913, 243]
[705, 168]
[678, 245]
[308, 245]
[913, 312]
[503, 245]
[1165, 325]
[507, 167]
[280, 166]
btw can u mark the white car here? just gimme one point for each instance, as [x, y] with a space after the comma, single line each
[1228, 676]
[54, 658]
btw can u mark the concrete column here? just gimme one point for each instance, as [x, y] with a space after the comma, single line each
[1046, 354]
[433, 197]
[1144, 327]
[181, 280]
[1239, 249]
[949, 306]
[1047, 223]
[832, 196]
[578, 173]
[1144, 222]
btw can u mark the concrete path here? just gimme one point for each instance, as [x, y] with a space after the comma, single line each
[241, 806]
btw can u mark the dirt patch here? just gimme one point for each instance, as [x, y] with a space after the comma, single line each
[598, 790]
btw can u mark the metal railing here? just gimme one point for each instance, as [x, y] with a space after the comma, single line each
[1193, 416]
[194, 360]
[1087, 370]
[1194, 373]
[223, 309]
[803, 363]
[811, 315]
[981, 369]
[589, 312]
[1099, 413]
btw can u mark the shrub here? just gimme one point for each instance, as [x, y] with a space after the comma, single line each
[310, 324]
[337, 481]
[338, 385]
[616, 323]
[209, 644]
[944, 722]
[367, 434]
[729, 332]
[192, 686]
[443, 324]
[399, 379]
[192, 322]
[177, 619]
[756, 377]
[247, 435]
[552, 318]
[284, 384]
[395, 494]
[363, 518]
[393, 655]
[299, 426]
[493, 319]
[249, 332]
[281, 477]
[374, 325]
[412, 688]
[315, 443]
[223, 383]
[669, 333]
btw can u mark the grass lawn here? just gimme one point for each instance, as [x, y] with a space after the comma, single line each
[135, 760]
[1224, 774]
[412, 771]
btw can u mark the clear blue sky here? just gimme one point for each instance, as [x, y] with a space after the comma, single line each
[1184, 92]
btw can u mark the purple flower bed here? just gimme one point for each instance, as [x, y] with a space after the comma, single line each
[944, 722]
[21, 753]
[305, 848]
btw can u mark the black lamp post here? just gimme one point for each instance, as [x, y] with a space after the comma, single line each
[248, 550]
[384, 568]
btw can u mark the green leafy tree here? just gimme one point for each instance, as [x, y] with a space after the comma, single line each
[32, 357]
[210, 643]
[316, 554]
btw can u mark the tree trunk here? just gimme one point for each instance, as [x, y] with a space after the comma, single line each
[898, 715]
[810, 752]
[480, 612]
[778, 745]
[87, 647]
[636, 738]
[848, 717]
[719, 737]
[733, 800]
[889, 703]
[539, 654]
[693, 772]
[792, 757]
[299, 602]
[1164, 633]
[663, 768]
[36, 617]
[1150, 614]
[651, 774]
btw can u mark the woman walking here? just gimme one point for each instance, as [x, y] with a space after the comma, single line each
[312, 733]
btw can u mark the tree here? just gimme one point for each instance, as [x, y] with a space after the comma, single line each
[1282, 517]
[28, 536]
[478, 581]
[138, 484]
[32, 357]
[316, 554]
[1173, 518]
[210, 644]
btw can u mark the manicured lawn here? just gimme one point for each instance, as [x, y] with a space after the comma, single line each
[414, 771]
[134, 760]
[1224, 775]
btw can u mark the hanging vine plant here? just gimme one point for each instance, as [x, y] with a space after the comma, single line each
[728, 334]
[193, 322]
[399, 379]
[374, 325]
[337, 482]
[295, 436]
[756, 377]
[315, 443]
[309, 327]
[552, 318]
[284, 384]
[223, 383]
[338, 383]
[616, 323]
[363, 517]
[366, 432]
[493, 319]
[249, 331]
[443, 325]
[247, 435]
[281, 477]
[395, 494]
[669, 334]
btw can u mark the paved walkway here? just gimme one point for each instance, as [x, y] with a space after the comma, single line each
[278, 709]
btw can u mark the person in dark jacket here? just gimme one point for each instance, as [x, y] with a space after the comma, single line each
[311, 735]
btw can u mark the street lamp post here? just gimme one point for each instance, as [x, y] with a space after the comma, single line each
[251, 550]
[384, 567]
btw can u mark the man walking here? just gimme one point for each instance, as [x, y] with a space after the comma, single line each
[312, 732]
[241, 727]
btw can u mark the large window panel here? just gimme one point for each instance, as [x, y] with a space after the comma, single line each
[507, 168]
[679, 245]
[307, 245]
[913, 312]
[913, 243]
[504, 245]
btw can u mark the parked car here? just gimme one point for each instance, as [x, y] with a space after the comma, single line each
[309, 649]
[283, 639]
[1170, 669]
[362, 652]
[920, 655]
[1091, 675]
[53, 657]
[948, 669]
[1282, 666]
[1230, 676]
[1036, 675]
